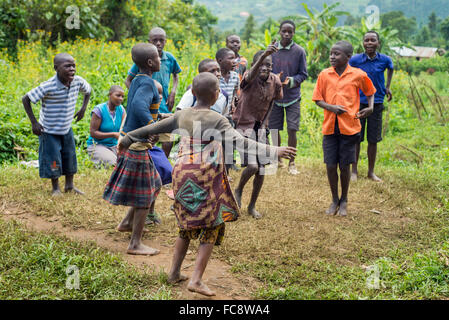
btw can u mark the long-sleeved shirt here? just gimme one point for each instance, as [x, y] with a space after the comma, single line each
[291, 60]
[202, 124]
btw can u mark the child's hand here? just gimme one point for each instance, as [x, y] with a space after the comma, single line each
[364, 113]
[153, 139]
[121, 149]
[388, 94]
[80, 114]
[286, 152]
[271, 49]
[336, 109]
[37, 128]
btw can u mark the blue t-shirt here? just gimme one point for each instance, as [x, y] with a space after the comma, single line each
[141, 95]
[109, 123]
[375, 68]
[169, 65]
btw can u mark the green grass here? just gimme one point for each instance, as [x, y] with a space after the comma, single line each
[34, 266]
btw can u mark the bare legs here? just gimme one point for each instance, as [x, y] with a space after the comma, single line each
[292, 142]
[204, 253]
[250, 170]
[135, 221]
[338, 204]
[372, 153]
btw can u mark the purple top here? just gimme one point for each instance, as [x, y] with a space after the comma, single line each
[292, 61]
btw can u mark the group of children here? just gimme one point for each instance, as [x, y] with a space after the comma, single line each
[226, 107]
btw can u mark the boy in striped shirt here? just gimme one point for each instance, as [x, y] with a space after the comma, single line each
[57, 153]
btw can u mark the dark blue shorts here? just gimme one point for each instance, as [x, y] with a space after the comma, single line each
[57, 155]
[340, 148]
[373, 124]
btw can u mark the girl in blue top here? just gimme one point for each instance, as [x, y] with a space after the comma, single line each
[104, 128]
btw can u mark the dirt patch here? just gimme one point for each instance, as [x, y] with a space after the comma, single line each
[217, 275]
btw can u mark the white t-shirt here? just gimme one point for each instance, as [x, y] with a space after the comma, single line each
[187, 101]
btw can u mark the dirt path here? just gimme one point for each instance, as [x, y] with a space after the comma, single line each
[217, 275]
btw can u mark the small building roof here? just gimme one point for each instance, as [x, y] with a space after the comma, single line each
[416, 52]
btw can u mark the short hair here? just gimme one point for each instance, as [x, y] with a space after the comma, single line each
[372, 31]
[157, 30]
[289, 22]
[115, 88]
[205, 85]
[346, 46]
[141, 52]
[257, 56]
[231, 35]
[203, 63]
[222, 52]
[60, 57]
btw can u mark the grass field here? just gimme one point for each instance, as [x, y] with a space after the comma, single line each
[393, 245]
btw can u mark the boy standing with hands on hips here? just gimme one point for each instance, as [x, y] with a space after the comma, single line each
[57, 153]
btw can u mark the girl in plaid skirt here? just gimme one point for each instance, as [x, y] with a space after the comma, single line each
[135, 181]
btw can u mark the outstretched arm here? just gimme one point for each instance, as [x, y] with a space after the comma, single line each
[252, 73]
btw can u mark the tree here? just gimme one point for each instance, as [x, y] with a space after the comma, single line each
[433, 24]
[444, 28]
[249, 29]
[396, 20]
[424, 37]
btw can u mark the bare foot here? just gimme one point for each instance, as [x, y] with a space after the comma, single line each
[56, 193]
[333, 208]
[238, 197]
[373, 177]
[175, 278]
[342, 211]
[200, 288]
[354, 176]
[254, 213]
[128, 228]
[143, 250]
[73, 189]
[292, 169]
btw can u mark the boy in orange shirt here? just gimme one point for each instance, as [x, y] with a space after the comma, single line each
[337, 92]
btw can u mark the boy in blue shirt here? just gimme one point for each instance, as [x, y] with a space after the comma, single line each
[374, 64]
[57, 153]
[169, 66]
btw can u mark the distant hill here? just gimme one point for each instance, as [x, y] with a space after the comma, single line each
[233, 13]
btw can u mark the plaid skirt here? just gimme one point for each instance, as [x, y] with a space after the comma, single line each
[134, 182]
